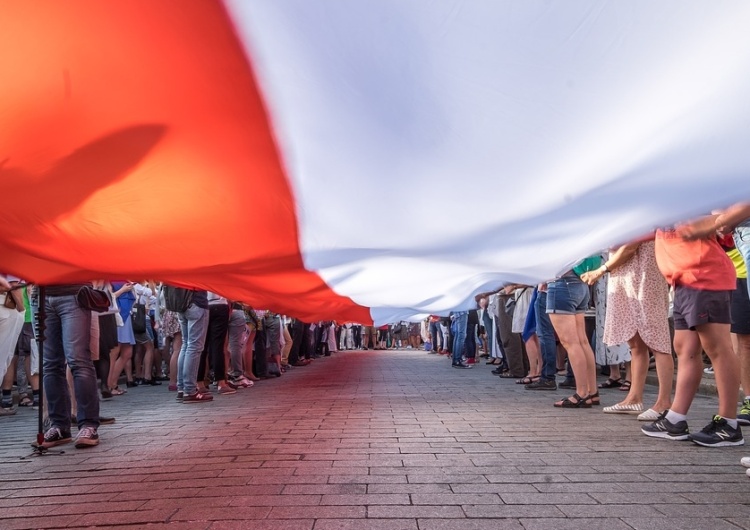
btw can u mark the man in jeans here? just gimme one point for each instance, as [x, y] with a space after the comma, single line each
[460, 322]
[67, 334]
[194, 325]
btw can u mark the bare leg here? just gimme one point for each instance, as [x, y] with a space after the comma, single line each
[716, 340]
[176, 347]
[113, 375]
[689, 369]
[567, 328]
[148, 361]
[743, 352]
[534, 354]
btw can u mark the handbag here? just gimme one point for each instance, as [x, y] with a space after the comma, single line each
[10, 302]
[138, 318]
[92, 299]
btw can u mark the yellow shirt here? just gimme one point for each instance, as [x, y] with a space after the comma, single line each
[739, 263]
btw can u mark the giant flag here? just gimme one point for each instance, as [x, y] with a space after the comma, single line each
[360, 160]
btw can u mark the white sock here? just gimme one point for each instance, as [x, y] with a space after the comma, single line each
[731, 423]
[675, 418]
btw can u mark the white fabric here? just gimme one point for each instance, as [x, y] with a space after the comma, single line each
[599, 120]
[11, 322]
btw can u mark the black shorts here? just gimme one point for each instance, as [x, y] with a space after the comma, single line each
[23, 345]
[740, 308]
[693, 307]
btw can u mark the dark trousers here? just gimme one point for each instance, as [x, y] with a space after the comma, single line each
[218, 325]
[260, 365]
[512, 343]
[296, 330]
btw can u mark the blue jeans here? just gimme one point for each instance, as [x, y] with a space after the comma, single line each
[742, 242]
[194, 325]
[546, 334]
[436, 333]
[459, 338]
[68, 332]
[237, 339]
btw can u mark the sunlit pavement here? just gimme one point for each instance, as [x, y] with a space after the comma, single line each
[372, 440]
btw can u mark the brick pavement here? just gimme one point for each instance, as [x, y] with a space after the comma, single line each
[372, 440]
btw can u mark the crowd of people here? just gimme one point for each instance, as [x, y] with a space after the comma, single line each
[681, 293]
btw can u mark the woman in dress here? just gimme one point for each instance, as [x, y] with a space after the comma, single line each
[637, 313]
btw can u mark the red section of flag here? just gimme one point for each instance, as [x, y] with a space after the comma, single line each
[135, 144]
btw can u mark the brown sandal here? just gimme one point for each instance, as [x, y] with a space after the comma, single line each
[579, 403]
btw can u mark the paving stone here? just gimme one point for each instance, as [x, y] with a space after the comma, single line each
[266, 524]
[574, 524]
[683, 523]
[366, 499]
[470, 524]
[609, 510]
[415, 512]
[366, 524]
[514, 511]
[317, 512]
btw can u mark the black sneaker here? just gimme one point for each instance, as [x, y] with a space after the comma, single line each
[462, 365]
[542, 384]
[55, 436]
[106, 420]
[718, 433]
[663, 428]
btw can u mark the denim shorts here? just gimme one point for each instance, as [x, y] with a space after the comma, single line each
[567, 296]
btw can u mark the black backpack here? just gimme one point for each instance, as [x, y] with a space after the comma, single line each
[177, 299]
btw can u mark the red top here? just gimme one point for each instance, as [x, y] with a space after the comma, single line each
[700, 264]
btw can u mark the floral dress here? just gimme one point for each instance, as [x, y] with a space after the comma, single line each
[638, 302]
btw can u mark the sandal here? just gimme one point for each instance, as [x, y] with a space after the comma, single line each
[25, 402]
[625, 386]
[579, 403]
[594, 399]
[117, 391]
[610, 383]
[528, 380]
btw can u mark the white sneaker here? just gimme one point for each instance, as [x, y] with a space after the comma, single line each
[649, 415]
[242, 381]
[709, 370]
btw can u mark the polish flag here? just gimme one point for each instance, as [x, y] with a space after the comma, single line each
[365, 161]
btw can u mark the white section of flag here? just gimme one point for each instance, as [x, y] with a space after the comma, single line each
[440, 148]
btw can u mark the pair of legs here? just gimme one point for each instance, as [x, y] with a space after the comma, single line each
[715, 340]
[534, 354]
[172, 347]
[639, 369]
[571, 329]
[120, 358]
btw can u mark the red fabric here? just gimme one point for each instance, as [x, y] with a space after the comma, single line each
[130, 131]
[700, 264]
